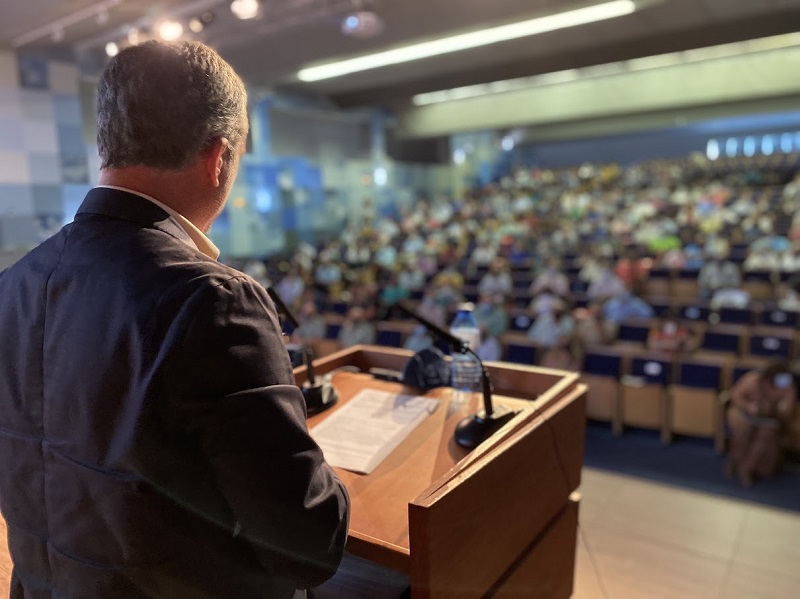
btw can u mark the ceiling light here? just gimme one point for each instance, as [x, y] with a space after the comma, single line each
[474, 39]
[57, 35]
[245, 9]
[789, 40]
[363, 24]
[196, 25]
[507, 143]
[170, 31]
[102, 17]
[112, 49]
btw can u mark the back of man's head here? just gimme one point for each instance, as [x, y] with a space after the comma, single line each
[159, 105]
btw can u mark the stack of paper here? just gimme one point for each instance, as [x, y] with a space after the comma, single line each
[363, 432]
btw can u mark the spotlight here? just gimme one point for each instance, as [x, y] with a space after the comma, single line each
[170, 31]
[507, 143]
[245, 9]
[459, 156]
[362, 24]
[112, 49]
[196, 25]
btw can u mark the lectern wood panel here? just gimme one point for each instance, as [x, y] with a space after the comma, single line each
[464, 536]
[547, 570]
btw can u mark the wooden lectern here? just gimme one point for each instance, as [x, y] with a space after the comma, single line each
[498, 521]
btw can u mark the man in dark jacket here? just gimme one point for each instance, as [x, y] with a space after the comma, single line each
[152, 443]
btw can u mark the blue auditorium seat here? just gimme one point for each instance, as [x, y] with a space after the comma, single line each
[655, 371]
[736, 316]
[520, 322]
[780, 318]
[389, 338]
[694, 312]
[633, 332]
[602, 364]
[521, 352]
[337, 307]
[699, 375]
[719, 339]
[601, 372]
[771, 345]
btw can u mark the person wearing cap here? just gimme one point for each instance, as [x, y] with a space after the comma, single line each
[762, 402]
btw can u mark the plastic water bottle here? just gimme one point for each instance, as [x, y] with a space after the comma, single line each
[466, 370]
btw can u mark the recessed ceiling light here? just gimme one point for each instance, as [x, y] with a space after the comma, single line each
[196, 25]
[112, 49]
[245, 9]
[363, 24]
[170, 30]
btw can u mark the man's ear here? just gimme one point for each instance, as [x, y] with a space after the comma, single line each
[214, 159]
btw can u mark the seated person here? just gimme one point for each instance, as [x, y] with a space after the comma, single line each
[729, 298]
[291, 287]
[418, 340]
[589, 329]
[606, 285]
[626, 305]
[491, 314]
[312, 324]
[555, 331]
[717, 273]
[551, 280]
[489, 349]
[356, 329]
[498, 280]
[670, 336]
[762, 403]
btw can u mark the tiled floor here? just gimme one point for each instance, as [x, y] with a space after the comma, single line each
[642, 540]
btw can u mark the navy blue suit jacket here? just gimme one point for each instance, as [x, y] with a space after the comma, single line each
[152, 443]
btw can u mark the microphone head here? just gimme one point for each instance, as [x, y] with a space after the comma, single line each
[427, 369]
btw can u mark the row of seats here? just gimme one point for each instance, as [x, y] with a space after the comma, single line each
[725, 340]
[677, 395]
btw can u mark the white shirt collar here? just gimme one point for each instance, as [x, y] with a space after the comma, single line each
[199, 239]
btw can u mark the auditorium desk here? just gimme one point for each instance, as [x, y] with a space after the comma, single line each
[500, 520]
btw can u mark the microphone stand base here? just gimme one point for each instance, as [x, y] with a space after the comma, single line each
[474, 430]
[319, 397]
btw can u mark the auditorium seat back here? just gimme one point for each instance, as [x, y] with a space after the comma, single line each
[693, 399]
[601, 371]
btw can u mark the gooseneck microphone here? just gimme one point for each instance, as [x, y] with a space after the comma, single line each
[475, 429]
[318, 396]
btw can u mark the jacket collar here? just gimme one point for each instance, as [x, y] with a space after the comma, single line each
[123, 205]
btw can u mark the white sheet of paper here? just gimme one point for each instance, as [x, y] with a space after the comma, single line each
[362, 433]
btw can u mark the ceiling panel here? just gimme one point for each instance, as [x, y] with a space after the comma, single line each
[296, 33]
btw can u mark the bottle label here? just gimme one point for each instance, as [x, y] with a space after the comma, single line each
[471, 336]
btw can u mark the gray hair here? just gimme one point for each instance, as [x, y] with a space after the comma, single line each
[160, 105]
